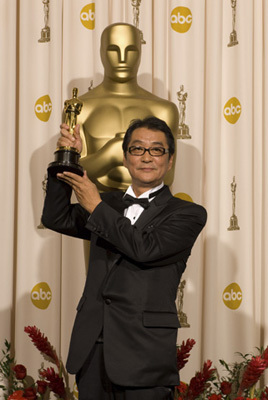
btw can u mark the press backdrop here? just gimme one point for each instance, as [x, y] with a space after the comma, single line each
[223, 166]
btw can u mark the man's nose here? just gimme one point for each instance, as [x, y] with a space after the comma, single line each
[146, 157]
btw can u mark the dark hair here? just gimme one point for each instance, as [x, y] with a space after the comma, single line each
[154, 124]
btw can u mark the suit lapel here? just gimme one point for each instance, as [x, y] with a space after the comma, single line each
[156, 206]
[114, 199]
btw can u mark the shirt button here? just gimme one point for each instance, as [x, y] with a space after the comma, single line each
[108, 301]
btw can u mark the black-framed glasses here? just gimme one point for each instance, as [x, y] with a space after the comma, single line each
[155, 151]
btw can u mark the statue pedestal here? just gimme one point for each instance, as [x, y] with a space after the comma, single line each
[183, 320]
[233, 223]
[233, 39]
[45, 35]
[183, 132]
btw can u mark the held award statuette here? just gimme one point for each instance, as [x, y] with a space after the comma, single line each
[67, 158]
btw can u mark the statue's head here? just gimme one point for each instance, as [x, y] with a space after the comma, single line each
[121, 51]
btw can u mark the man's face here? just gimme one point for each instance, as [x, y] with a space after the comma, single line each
[147, 171]
[120, 52]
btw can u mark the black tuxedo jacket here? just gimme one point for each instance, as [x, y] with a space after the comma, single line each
[132, 281]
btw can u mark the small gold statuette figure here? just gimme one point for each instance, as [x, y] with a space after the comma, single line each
[181, 315]
[67, 158]
[233, 220]
[233, 34]
[45, 32]
[183, 131]
[136, 16]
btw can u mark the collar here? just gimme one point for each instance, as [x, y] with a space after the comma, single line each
[146, 194]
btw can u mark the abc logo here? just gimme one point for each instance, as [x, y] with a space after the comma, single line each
[43, 108]
[87, 16]
[183, 196]
[232, 296]
[41, 295]
[181, 19]
[232, 110]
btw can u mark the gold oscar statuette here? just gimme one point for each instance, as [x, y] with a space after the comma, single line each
[233, 35]
[45, 32]
[110, 106]
[233, 219]
[136, 16]
[67, 158]
[181, 315]
[183, 129]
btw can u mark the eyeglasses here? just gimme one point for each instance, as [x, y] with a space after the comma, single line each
[153, 151]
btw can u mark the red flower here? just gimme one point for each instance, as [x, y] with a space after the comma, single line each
[41, 386]
[42, 344]
[55, 382]
[215, 397]
[252, 373]
[265, 356]
[264, 395]
[226, 387]
[183, 353]
[200, 381]
[20, 371]
[30, 393]
[18, 395]
[182, 388]
[239, 398]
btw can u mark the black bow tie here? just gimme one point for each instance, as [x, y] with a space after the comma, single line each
[144, 202]
[129, 201]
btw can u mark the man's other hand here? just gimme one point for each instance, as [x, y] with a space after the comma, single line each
[86, 191]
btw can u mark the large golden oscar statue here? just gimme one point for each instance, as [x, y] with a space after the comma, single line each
[109, 108]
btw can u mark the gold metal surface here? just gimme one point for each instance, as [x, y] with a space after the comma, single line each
[45, 32]
[181, 315]
[67, 157]
[109, 108]
[136, 16]
[183, 130]
[233, 35]
[233, 219]
[72, 109]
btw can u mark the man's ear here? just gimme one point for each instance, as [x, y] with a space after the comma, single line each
[170, 162]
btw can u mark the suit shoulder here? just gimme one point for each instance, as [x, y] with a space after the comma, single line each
[188, 207]
[113, 195]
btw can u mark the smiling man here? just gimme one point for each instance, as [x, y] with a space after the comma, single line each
[123, 345]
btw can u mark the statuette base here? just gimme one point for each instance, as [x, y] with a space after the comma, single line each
[45, 35]
[233, 39]
[183, 132]
[183, 320]
[66, 159]
[233, 223]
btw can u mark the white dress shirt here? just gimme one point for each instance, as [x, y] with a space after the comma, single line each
[134, 211]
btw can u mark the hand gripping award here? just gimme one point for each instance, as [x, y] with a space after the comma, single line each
[67, 158]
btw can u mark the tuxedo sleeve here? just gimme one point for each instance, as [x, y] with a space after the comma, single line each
[166, 240]
[60, 215]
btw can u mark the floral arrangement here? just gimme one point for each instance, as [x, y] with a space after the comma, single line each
[239, 383]
[19, 386]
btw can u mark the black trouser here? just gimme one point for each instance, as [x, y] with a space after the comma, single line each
[94, 384]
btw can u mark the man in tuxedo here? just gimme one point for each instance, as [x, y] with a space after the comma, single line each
[123, 344]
